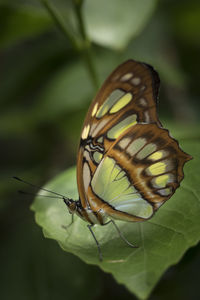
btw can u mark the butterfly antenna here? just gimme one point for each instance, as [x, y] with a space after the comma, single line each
[46, 196]
[37, 187]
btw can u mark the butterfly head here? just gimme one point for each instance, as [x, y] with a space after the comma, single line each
[71, 205]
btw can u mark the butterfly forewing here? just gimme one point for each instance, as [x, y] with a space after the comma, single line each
[131, 91]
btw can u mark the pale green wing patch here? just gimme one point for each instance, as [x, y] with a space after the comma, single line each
[114, 103]
[112, 185]
[120, 127]
[109, 102]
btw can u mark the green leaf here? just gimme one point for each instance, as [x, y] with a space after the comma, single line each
[162, 241]
[113, 23]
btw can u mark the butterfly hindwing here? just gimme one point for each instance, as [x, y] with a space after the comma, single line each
[139, 172]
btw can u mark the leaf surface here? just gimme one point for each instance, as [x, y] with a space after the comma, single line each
[162, 241]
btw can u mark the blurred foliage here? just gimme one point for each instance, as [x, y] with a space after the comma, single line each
[45, 90]
[111, 26]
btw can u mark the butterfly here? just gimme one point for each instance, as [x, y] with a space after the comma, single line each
[128, 165]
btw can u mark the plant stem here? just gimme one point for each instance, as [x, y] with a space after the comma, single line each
[86, 44]
[60, 22]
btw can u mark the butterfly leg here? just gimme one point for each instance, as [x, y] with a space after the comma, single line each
[67, 226]
[121, 235]
[97, 243]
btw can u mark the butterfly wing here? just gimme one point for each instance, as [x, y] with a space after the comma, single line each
[127, 97]
[138, 174]
[131, 90]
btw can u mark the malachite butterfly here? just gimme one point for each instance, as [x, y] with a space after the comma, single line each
[128, 165]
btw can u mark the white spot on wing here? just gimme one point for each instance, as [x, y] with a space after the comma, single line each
[142, 102]
[135, 146]
[101, 125]
[165, 192]
[136, 80]
[94, 109]
[147, 117]
[126, 76]
[85, 132]
[124, 142]
[86, 176]
[86, 154]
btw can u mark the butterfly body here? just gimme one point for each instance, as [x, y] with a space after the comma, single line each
[86, 214]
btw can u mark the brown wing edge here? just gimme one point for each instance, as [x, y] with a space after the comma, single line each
[154, 75]
[155, 81]
[183, 159]
[186, 157]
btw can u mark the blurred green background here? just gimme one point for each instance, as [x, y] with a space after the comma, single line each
[45, 90]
